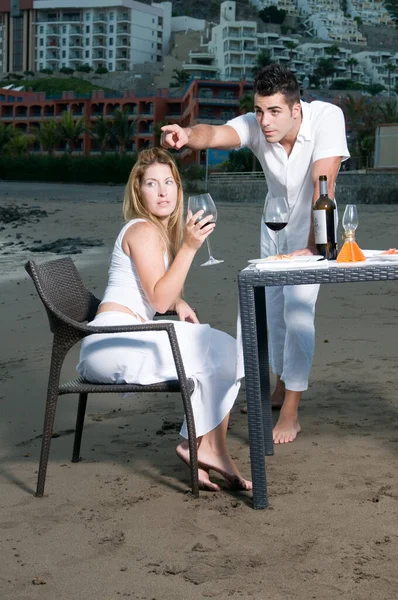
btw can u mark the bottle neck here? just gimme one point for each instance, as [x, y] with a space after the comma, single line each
[323, 188]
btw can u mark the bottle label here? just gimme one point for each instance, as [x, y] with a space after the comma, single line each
[320, 229]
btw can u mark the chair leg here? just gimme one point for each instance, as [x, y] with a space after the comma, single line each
[57, 357]
[51, 406]
[81, 411]
[193, 448]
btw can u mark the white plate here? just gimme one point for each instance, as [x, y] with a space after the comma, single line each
[388, 257]
[295, 260]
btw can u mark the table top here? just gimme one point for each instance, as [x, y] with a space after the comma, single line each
[251, 276]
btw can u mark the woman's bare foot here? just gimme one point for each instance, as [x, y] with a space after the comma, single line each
[205, 483]
[225, 466]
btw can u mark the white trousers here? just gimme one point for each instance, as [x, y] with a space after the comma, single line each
[209, 358]
[291, 332]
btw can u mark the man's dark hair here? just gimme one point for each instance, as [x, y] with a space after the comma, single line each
[274, 79]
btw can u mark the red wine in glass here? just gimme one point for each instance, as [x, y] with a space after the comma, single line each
[276, 215]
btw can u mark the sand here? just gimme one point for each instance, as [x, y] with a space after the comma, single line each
[121, 523]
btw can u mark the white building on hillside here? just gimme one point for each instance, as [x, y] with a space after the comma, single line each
[371, 12]
[381, 66]
[115, 34]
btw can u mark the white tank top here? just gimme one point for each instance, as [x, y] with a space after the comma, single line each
[124, 286]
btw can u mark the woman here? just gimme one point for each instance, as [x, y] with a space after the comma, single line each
[150, 261]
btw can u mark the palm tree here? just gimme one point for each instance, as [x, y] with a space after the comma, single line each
[291, 47]
[246, 103]
[122, 128]
[180, 78]
[325, 69]
[263, 59]
[48, 136]
[332, 50]
[103, 133]
[389, 111]
[351, 62]
[7, 132]
[70, 130]
[19, 144]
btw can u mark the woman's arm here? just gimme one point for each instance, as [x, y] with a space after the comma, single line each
[144, 245]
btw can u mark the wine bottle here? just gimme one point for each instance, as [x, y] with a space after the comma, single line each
[325, 222]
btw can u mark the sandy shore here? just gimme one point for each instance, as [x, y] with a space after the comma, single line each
[121, 523]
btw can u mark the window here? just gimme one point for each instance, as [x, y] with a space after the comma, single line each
[87, 28]
[111, 28]
[153, 33]
[110, 53]
[64, 29]
[41, 43]
[87, 41]
[110, 66]
[111, 16]
[64, 41]
[111, 41]
[87, 16]
[153, 20]
[63, 53]
[87, 53]
[41, 29]
[41, 54]
[41, 66]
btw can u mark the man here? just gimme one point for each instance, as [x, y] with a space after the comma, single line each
[295, 142]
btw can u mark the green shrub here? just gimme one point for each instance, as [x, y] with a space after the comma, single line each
[84, 68]
[101, 70]
[66, 70]
[113, 168]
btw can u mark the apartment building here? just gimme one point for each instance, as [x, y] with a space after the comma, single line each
[51, 34]
[115, 34]
[16, 35]
[203, 101]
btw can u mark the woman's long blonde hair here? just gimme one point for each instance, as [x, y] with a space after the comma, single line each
[133, 206]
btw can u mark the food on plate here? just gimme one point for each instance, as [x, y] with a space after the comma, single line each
[390, 251]
[279, 257]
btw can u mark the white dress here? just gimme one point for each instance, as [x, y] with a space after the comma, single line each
[209, 355]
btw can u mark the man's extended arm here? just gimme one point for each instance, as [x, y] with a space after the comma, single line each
[199, 137]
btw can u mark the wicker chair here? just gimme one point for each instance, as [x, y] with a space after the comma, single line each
[70, 305]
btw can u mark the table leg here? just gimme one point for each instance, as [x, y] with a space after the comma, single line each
[262, 348]
[253, 395]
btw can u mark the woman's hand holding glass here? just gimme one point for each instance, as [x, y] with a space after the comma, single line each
[205, 204]
[197, 229]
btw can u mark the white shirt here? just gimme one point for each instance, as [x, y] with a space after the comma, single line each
[321, 135]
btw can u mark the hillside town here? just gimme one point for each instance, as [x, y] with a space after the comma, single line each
[157, 63]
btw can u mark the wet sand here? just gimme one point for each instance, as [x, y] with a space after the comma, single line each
[121, 523]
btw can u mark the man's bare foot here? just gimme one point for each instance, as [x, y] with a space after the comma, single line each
[286, 429]
[205, 482]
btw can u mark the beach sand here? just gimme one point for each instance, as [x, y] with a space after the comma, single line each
[121, 523]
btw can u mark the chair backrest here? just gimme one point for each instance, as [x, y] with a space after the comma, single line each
[62, 290]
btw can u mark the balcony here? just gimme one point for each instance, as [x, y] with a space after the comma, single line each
[75, 43]
[52, 43]
[100, 18]
[122, 42]
[101, 43]
[124, 18]
[123, 29]
[75, 31]
[99, 31]
[53, 31]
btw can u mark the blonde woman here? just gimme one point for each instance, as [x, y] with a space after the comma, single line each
[150, 261]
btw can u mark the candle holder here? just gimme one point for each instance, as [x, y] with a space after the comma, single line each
[350, 252]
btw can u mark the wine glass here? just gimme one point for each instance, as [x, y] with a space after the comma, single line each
[276, 215]
[350, 221]
[205, 202]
